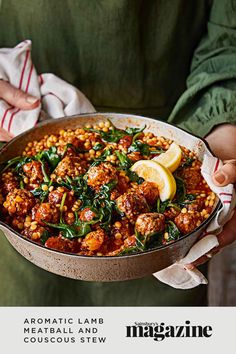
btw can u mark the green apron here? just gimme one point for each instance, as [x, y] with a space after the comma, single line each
[130, 56]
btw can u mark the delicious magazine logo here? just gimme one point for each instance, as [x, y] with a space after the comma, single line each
[161, 331]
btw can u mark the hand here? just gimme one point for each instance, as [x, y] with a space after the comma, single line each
[223, 144]
[16, 98]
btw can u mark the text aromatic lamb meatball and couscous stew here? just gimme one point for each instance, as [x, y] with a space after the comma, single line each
[103, 191]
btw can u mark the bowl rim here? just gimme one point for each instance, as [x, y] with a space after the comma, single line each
[116, 257]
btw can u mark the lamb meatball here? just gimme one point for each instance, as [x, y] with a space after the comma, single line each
[94, 240]
[71, 166]
[9, 182]
[132, 204]
[101, 174]
[171, 213]
[187, 222]
[193, 178]
[55, 197]
[33, 170]
[19, 201]
[61, 244]
[149, 223]
[47, 212]
[150, 191]
[34, 232]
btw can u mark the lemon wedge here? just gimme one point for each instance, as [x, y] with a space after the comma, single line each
[152, 171]
[171, 158]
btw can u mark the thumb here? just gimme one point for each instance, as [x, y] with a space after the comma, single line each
[17, 98]
[226, 174]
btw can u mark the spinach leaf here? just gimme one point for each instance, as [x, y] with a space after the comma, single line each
[50, 156]
[172, 230]
[148, 241]
[102, 158]
[40, 193]
[125, 162]
[111, 136]
[44, 237]
[79, 229]
[98, 146]
[104, 204]
[157, 150]
[180, 189]
[139, 146]
[134, 177]
[188, 162]
[134, 131]
[162, 206]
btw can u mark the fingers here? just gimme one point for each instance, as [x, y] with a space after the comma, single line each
[17, 98]
[226, 174]
[225, 238]
[4, 135]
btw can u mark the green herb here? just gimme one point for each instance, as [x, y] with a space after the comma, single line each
[40, 193]
[180, 189]
[61, 206]
[44, 237]
[134, 177]
[157, 150]
[129, 250]
[188, 162]
[125, 162]
[148, 241]
[172, 230]
[50, 156]
[134, 131]
[102, 158]
[139, 146]
[112, 136]
[79, 229]
[98, 147]
[162, 206]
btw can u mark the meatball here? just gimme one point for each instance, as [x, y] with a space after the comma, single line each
[121, 187]
[150, 223]
[19, 201]
[55, 197]
[62, 244]
[130, 241]
[192, 178]
[94, 240]
[34, 232]
[171, 213]
[87, 215]
[71, 166]
[132, 204]
[9, 182]
[17, 222]
[101, 174]
[150, 192]
[47, 212]
[33, 170]
[187, 222]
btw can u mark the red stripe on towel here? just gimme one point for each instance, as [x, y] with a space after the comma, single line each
[217, 165]
[26, 90]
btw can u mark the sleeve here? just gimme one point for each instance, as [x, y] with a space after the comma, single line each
[210, 97]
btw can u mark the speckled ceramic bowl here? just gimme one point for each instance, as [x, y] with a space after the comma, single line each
[96, 268]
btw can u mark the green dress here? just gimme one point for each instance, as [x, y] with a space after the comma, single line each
[174, 60]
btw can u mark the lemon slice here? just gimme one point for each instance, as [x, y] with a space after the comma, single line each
[171, 158]
[152, 171]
